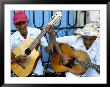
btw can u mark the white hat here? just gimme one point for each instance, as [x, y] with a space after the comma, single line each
[88, 30]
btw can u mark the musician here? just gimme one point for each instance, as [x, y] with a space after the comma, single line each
[87, 39]
[21, 21]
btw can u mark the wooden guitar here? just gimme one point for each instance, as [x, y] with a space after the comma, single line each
[28, 48]
[79, 63]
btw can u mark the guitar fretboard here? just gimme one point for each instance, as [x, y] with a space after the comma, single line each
[38, 38]
[88, 65]
[52, 21]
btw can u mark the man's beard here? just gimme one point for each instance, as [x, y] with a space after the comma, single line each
[23, 32]
[88, 46]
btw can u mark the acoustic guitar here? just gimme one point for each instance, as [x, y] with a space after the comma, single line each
[28, 48]
[79, 62]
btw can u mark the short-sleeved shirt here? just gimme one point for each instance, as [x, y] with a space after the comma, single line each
[17, 39]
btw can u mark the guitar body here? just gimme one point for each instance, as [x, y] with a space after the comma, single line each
[29, 62]
[76, 69]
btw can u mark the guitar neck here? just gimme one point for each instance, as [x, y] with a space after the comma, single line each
[96, 67]
[37, 40]
[53, 20]
[89, 65]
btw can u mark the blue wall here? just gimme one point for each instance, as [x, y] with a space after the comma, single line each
[61, 29]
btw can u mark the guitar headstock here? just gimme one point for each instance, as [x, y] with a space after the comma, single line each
[55, 18]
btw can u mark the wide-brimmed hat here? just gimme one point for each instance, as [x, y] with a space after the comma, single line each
[88, 30]
[19, 16]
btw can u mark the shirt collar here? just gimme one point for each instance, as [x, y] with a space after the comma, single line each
[94, 45]
[18, 35]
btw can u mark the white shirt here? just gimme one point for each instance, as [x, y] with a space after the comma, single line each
[17, 39]
[93, 51]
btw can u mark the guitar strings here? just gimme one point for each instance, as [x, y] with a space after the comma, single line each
[33, 44]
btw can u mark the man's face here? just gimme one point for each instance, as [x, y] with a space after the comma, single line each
[88, 41]
[22, 26]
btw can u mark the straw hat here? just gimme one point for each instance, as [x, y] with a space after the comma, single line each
[88, 30]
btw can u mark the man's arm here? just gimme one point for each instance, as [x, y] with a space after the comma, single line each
[64, 58]
[53, 41]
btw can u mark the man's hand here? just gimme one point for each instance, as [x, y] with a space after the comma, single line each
[19, 59]
[50, 30]
[49, 47]
[65, 59]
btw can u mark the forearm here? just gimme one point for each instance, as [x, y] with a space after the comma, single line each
[49, 47]
[56, 45]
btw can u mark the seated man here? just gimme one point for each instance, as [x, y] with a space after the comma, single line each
[24, 32]
[87, 39]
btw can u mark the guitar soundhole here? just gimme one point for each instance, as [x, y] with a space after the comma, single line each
[71, 63]
[27, 51]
